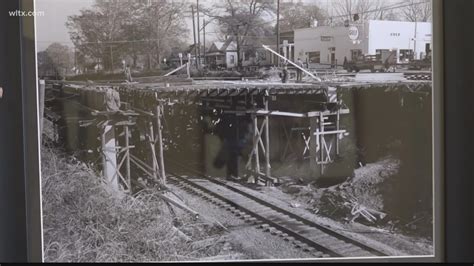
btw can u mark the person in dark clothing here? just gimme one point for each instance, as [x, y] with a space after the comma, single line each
[284, 76]
[234, 132]
[128, 74]
[299, 72]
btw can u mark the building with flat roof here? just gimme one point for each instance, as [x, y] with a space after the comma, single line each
[329, 45]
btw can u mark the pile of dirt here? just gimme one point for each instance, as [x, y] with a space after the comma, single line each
[83, 221]
[351, 199]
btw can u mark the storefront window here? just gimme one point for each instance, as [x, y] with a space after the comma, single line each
[356, 53]
[314, 57]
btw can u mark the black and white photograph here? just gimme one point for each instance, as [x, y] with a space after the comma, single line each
[235, 130]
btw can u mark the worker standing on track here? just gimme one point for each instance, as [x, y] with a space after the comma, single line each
[299, 72]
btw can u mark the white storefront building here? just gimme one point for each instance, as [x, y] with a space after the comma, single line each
[326, 45]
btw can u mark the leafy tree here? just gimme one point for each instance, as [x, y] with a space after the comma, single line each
[55, 60]
[45, 65]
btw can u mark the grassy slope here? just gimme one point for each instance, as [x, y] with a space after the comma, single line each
[83, 222]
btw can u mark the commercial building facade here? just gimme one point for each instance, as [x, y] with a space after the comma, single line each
[329, 45]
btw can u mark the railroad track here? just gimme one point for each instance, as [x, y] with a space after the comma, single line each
[320, 241]
[418, 76]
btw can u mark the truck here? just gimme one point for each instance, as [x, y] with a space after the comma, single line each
[382, 62]
[419, 64]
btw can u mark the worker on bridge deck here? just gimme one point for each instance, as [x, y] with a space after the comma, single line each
[299, 72]
[284, 74]
[128, 73]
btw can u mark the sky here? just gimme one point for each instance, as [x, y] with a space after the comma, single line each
[51, 27]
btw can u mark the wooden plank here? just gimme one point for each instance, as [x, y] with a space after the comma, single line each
[267, 140]
[175, 70]
[127, 155]
[160, 142]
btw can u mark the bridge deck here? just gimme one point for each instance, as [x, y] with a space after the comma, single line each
[159, 91]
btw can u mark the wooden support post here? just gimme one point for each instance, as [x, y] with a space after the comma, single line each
[154, 163]
[109, 157]
[255, 144]
[267, 140]
[338, 119]
[159, 114]
[313, 144]
[321, 142]
[127, 159]
[188, 72]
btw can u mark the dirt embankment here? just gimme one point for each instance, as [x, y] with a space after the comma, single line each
[84, 222]
[366, 197]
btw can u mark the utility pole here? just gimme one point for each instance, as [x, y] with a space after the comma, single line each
[278, 30]
[75, 60]
[198, 34]
[204, 37]
[194, 33]
[238, 48]
[414, 40]
[111, 60]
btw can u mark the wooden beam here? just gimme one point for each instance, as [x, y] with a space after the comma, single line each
[288, 114]
[160, 142]
[313, 146]
[127, 156]
[179, 205]
[267, 140]
[175, 70]
[109, 157]
[333, 132]
[291, 62]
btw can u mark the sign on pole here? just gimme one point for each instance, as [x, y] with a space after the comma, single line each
[353, 33]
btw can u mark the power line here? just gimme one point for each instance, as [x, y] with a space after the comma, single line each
[395, 6]
[391, 7]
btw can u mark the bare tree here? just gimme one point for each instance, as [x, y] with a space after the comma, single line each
[95, 31]
[416, 10]
[113, 30]
[296, 16]
[163, 24]
[365, 9]
[243, 20]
